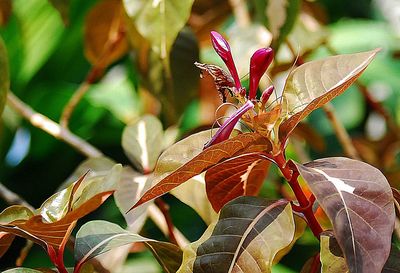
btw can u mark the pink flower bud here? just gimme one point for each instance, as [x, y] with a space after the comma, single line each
[223, 49]
[266, 94]
[259, 63]
[226, 129]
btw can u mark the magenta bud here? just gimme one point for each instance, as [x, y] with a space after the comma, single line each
[223, 49]
[266, 94]
[226, 129]
[259, 63]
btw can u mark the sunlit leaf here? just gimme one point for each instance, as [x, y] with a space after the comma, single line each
[63, 8]
[159, 21]
[9, 215]
[358, 200]
[142, 142]
[129, 189]
[198, 201]
[237, 176]
[187, 149]
[39, 31]
[53, 235]
[189, 252]
[105, 40]
[249, 234]
[22, 270]
[332, 259]
[313, 84]
[97, 237]
[331, 255]
[4, 76]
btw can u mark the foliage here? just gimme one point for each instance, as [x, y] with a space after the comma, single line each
[239, 161]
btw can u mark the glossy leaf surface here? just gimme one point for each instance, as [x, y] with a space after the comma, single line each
[332, 259]
[97, 237]
[198, 201]
[243, 143]
[359, 202]
[315, 83]
[4, 75]
[242, 175]
[159, 21]
[142, 142]
[247, 237]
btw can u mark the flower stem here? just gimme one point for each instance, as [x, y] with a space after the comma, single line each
[291, 174]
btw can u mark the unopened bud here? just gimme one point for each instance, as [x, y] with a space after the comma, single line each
[266, 94]
[223, 49]
[259, 63]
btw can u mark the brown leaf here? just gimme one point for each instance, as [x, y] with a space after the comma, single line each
[5, 241]
[244, 143]
[105, 40]
[242, 175]
[5, 11]
[358, 200]
[223, 81]
[313, 84]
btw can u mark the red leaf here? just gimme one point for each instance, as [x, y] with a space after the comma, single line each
[235, 177]
[244, 143]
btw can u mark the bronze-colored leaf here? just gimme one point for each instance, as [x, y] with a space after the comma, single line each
[5, 11]
[242, 175]
[244, 143]
[358, 200]
[54, 235]
[105, 40]
[249, 234]
[313, 84]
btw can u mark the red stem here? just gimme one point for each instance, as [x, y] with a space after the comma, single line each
[316, 264]
[291, 174]
[165, 211]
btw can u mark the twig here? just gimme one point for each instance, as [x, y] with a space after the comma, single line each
[12, 198]
[115, 35]
[158, 218]
[52, 128]
[164, 208]
[341, 132]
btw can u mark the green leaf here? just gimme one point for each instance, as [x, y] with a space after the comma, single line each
[97, 237]
[198, 201]
[278, 16]
[37, 30]
[129, 188]
[22, 270]
[249, 234]
[315, 83]
[142, 142]
[159, 21]
[63, 8]
[331, 255]
[189, 252]
[15, 212]
[4, 76]
[332, 259]
[358, 200]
